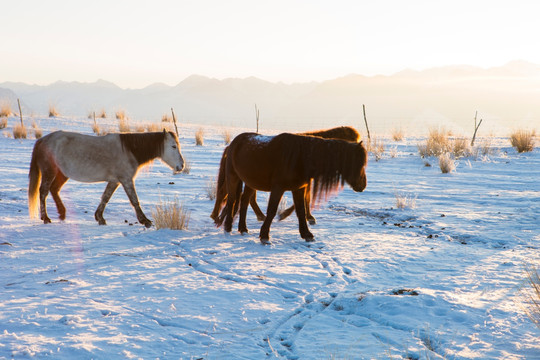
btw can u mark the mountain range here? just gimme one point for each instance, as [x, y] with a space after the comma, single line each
[506, 97]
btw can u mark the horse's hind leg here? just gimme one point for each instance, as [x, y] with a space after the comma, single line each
[255, 207]
[59, 180]
[109, 191]
[244, 202]
[299, 204]
[47, 178]
[309, 216]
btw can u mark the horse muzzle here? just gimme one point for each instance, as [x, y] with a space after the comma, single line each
[178, 169]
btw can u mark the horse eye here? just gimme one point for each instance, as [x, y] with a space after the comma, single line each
[174, 146]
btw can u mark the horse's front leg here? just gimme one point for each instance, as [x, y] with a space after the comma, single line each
[129, 188]
[273, 203]
[109, 191]
[299, 204]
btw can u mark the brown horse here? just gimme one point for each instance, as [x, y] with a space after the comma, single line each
[114, 158]
[342, 132]
[288, 162]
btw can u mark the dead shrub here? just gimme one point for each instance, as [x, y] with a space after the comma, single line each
[53, 111]
[376, 147]
[121, 115]
[446, 163]
[102, 114]
[405, 201]
[436, 144]
[152, 127]
[397, 134]
[199, 137]
[95, 128]
[5, 109]
[211, 189]
[170, 214]
[123, 125]
[38, 131]
[166, 118]
[523, 140]
[3, 123]
[531, 293]
[19, 131]
[460, 148]
[226, 136]
[140, 128]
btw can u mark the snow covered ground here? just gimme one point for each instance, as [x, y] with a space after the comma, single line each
[438, 281]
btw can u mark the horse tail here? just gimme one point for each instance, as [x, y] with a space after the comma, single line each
[33, 185]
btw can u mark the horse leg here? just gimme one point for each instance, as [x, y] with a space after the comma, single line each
[299, 197]
[47, 178]
[244, 202]
[59, 180]
[255, 207]
[309, 216]
[109, 191]
[285, 213]
[221, 198]
[234, 191]
[129, 188]
[273, 203]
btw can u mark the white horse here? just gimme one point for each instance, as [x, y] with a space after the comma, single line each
[114, 158]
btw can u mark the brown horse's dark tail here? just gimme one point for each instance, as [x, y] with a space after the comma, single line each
[34, 182]
[221, 191]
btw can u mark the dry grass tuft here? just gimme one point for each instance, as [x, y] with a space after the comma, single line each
[199, 137]
[95, 128]
[446, 163]
[101, 114]
[170, 215]
[166, 118]
[211, 189]
[436, 144]
[226, 136]
[123, 125]
[121, 115]
[53, 111]
[397, 134]
[3, 123]
[405, 201]
[532, 295]
[5, 109]
[523, 140]
[187, 167]
[140, 128]
[376, 147]
[19, 131]
[38, 131]
[460, 148]
[153, 127]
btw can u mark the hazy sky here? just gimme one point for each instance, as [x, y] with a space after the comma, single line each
[136, 43]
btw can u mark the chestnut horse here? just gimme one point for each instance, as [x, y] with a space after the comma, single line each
[342, 132]
[114, 158]
[288, 162]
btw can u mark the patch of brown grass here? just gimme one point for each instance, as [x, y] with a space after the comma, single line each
[199, 137]
[123, 125]
[447, 163]
[5, 109]
[170, 214]
[436, 144]
[19, 131]
[397, 134]
[226, 136]
[101, 114]
[523, 140]
[53, 111]
[166, 118]
[38, 131]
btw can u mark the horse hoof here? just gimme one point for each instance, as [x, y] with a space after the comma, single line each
[244, 232]
[265, 241]
[261, 218]
[147, 223]
[47, 221]
[102, 222]
[312, 221]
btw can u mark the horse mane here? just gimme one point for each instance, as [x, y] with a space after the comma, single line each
[327, 161]
[144, 146]
[342, 132]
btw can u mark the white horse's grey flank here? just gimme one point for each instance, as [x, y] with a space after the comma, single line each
[113, 158]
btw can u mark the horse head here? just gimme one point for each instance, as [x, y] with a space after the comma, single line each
[357, 177]
[171, 152]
